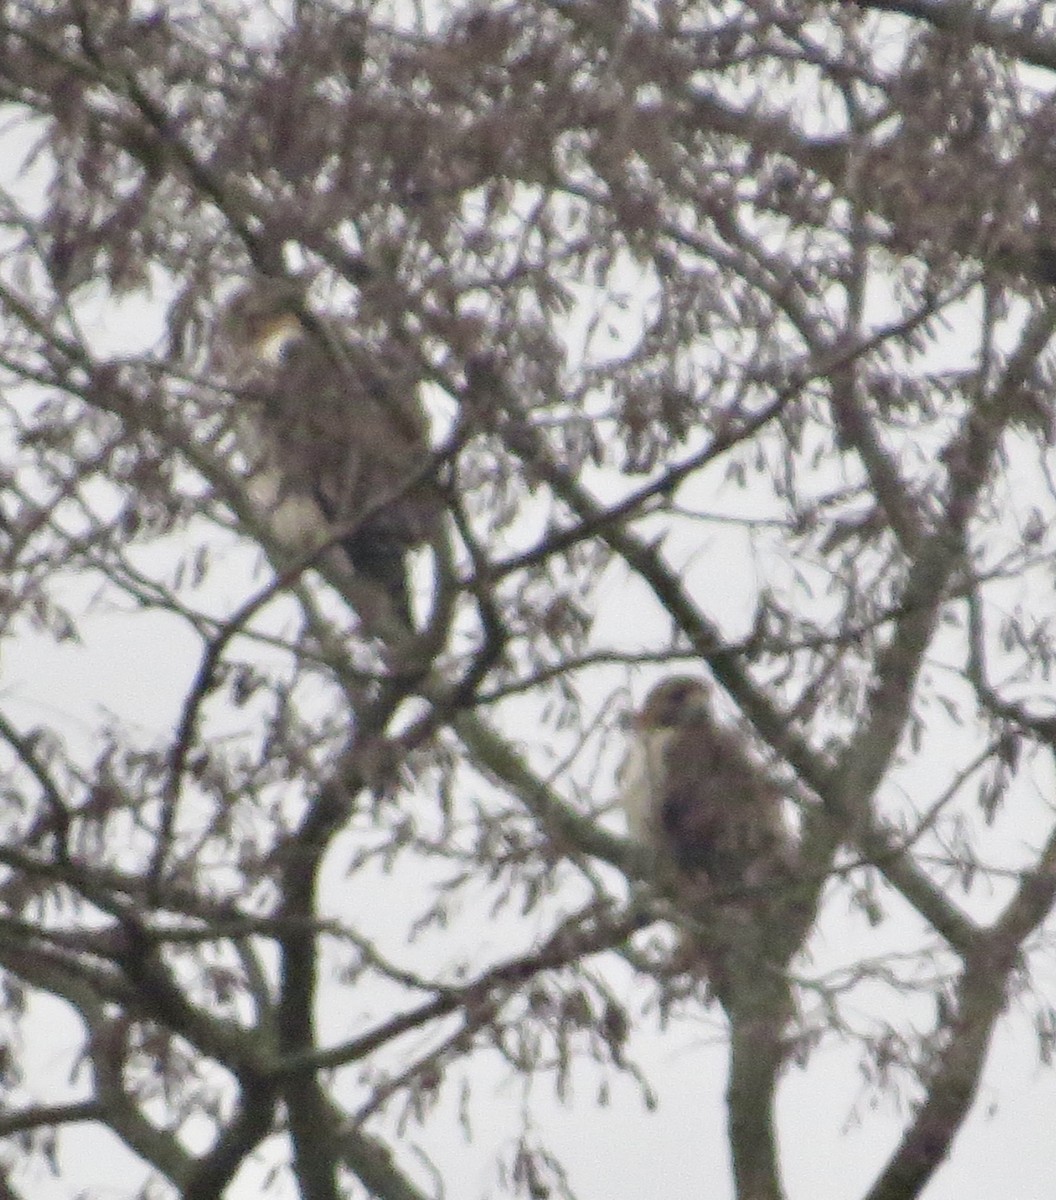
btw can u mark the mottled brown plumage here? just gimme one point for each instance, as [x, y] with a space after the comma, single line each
[694, 793]
[331, 441]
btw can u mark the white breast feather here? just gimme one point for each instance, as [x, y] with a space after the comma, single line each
[296, 520]
[641, 782]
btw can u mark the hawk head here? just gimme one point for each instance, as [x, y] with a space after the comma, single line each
[261, 319]
[680, 700]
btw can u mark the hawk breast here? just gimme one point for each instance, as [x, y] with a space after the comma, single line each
[642, 782]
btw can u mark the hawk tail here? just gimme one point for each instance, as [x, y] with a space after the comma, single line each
[384, 563]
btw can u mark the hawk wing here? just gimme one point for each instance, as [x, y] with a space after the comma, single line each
[718, 813]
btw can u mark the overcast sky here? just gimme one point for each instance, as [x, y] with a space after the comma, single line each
[835, 1132]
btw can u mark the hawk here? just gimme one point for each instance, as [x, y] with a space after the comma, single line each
[693, 793]
[330, 443]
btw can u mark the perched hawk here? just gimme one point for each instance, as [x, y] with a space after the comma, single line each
[330, 443]
[693, 793]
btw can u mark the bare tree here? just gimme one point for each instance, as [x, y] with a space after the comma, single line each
[732, 326]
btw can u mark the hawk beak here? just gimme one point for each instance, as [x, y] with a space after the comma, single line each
[274, 333]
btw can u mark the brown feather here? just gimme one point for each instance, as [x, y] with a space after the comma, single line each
[348, 436]
[719, 814]
[716, 813]
[696, 794]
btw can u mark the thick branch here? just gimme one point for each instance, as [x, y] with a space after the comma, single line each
[108, 1049]
[980, 1001]
[966, 20]
[313, 1128]
[51, 1115]
[213, 1171]
[757, 1054]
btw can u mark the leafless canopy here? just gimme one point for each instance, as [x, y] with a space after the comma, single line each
[731, 325]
